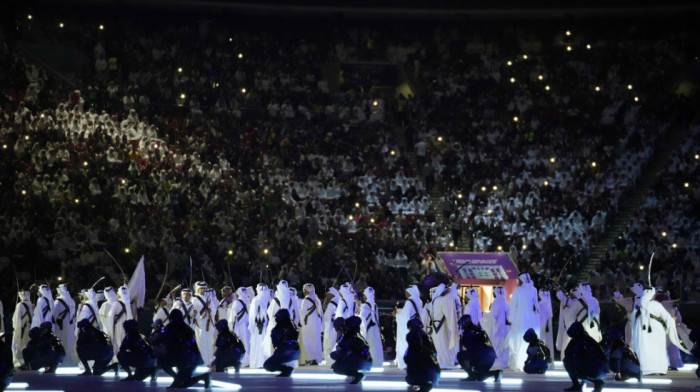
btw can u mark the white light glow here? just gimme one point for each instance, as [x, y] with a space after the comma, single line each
[18, 385]
[203, 369]
[452, 375]
[453, 390]
[377, 370]
[688, 367]
[249, 371]
[314, 376]
[558, 364]
[556, 373]
[226, 385]
[652, 381]
[383, 385]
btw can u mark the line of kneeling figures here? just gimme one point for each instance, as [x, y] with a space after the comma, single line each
[173, 349]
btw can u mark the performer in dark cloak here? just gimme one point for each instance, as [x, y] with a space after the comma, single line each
[538, 354]
[135, 351]
[422, 367]
[44, 349]
[94, 345]
[351, 354]
[284, 337]
[7, 367]
[229, 348]
[477, 355]
[182, 352]
[163, 361]
[584, 359]
[623, 361]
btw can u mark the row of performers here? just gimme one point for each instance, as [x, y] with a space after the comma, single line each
[251, 318]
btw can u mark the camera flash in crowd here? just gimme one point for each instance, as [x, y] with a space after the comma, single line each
[674, 245]
[568, 33]
[319, 243]
[265, 251]
[179, 69]
[60, 278]
[452, 244]
[85, 163]
[568, 48]
[515, 118]
[375, 103]
[546, 87]
[593, 164]
[629, 87]
[357, 205]
[24, 192]
[29, 17]
[243, 90]
[439, 138]
[509, 63]
[4, 146]
[552, 160]
[183, 96]
[540, 77]
[588, 46]
[230, 252]
[483, 189]
[524, 57]
[77, 201]
[350, 217]
[664, 234]
[392, 152]
[26, 137]
[636, 99]
[240, 55]
[512, 80]
[597, 88]
[495, 188]
[371, 220]
[500, 248]
[524, 247]
[641, 267]
[127, 250]
[546, 183]
[60, 25]
[697, 156]
[102, 27]
[459, 195]
[686, 185]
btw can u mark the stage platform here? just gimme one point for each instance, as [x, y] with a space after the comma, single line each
[321, 378]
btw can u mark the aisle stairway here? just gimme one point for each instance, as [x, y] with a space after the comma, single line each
[633, 200]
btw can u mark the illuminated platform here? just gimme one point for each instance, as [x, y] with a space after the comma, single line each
[321, 378]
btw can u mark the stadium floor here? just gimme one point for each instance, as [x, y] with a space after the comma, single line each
[320, 378]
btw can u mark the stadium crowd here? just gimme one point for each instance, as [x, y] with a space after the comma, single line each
[232, 147]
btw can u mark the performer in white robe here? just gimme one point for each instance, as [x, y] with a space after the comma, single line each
[163, 310]
[295, 307]
[445, 336]
[257, 323]
[454, 292]
[499, 326]
[329, 334]
[2, 318]
[674, 353]
[120, 312]
[571, 309]
[238, 321]
[88, 310]
[109, 297]
[346, 305]
[628, 303]
[651, 323]
[311, 326]
[473, 307]
[185, 305]
[546, 315]
[411, 310]
[64, 324]
[592, 323]
[43, 311]
[524, 314]
[228, 297]
[281, 300]
[21, 323]
[370, 329]
[203, 323]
